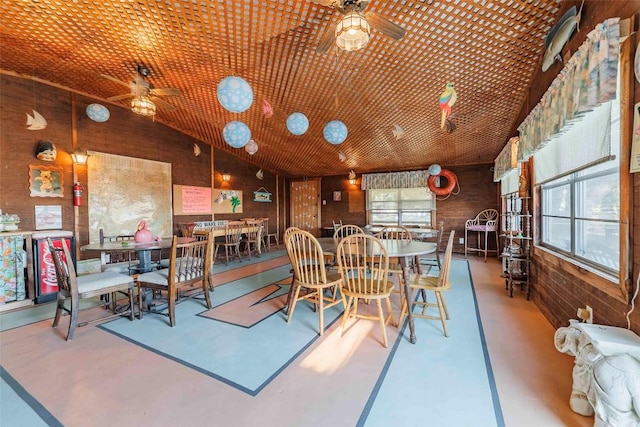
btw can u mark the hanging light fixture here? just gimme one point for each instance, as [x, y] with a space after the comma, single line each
[226, 176]
[141, 104]
[352, 32]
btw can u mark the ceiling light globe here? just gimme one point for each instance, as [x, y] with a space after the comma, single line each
[143, 105]
[352, 32]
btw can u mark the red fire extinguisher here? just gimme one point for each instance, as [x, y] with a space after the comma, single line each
[77, 194]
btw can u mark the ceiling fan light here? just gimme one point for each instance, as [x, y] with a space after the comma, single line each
[352, 32]
[143, 105]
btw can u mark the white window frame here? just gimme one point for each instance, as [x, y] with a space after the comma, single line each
[612, 284]
[429, 208]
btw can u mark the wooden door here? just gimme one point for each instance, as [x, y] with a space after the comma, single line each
[305, 205]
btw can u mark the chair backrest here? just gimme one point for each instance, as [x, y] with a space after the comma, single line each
[233, 232]
[443, 277]
[440, 234]
[487, 218]
[395, 232]
[336, 225]
[265, 225]
[113, 257]
[346, 230]
[190, 262]
[306, 257]
[65, 271]
[364, 265]
[254, 230]
[115, 238]
[186, 228]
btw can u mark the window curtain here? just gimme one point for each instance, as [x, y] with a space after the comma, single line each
[587, 80]
[579, 146]
[507, 160]
[510, 182]
[382, 181]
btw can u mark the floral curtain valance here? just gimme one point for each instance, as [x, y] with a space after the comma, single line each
[507, 159]
[382, 181]
[587, 80]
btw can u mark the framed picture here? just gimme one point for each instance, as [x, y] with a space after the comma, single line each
[48, 217]
[337, 196]
[45, 181]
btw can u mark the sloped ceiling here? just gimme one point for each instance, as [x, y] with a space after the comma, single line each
[489, 50]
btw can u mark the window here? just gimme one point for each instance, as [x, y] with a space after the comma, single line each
[580, 210]
[404, 206]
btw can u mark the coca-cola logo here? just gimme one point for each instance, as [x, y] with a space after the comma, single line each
[48, 271]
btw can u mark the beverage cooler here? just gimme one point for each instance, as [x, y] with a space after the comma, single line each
[46, 283]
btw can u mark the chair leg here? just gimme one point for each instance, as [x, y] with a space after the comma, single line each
[321, 310]
[73, 321]
[466, 242]
[171, 301]
[59, 309]
[131, 309]
[140, 292]
[206, 286]
[345, 315]
[444, 305]
[383, 328]
[296, 293]
[442, 313]
[391, 317]
[486, 241]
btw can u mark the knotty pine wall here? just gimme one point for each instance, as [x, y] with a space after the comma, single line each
[124, 134]
[477, 192]
[558, 287]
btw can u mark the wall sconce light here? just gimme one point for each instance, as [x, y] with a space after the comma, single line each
[226, 176]
[352, 178]
[80, 156]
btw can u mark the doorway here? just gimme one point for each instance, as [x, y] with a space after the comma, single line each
[305, 205]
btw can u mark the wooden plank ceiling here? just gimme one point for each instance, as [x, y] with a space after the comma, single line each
[489, 49]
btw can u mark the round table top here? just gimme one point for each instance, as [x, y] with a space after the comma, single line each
[395, 248]
[131, 245]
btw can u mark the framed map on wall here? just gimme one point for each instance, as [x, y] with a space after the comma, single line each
[124, 191]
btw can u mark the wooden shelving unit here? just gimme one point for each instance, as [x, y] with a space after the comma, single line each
[516, 242]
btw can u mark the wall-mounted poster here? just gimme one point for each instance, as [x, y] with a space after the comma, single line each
[226, 201]
[337, 196]
[190, 200]
[45, 181]
[48, 217]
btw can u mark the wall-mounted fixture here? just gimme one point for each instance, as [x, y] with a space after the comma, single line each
[141, 104]
[226, 176]
[352, 178]
[80, 156]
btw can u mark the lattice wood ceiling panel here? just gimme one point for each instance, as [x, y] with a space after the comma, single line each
[489, 49]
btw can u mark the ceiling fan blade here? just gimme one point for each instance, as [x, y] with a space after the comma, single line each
[119, 97]
[386, 27]
[327, 40]
[113, 79]
[324, 2]
[163, 104]
[165, 91]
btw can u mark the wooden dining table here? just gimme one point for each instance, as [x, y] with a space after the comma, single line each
[404, 251]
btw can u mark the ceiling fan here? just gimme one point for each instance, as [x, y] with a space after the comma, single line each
[145, 96]
[353, 30]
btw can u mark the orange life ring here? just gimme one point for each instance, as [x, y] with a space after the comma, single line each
[452, 180]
